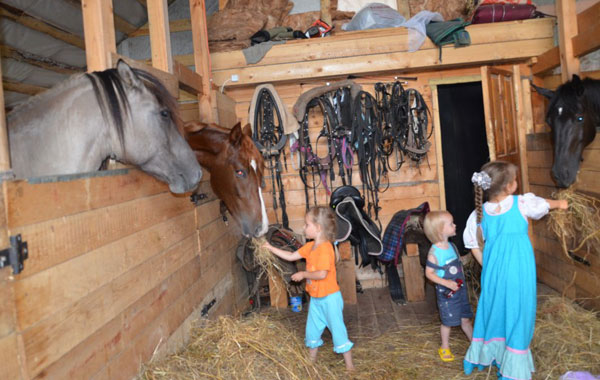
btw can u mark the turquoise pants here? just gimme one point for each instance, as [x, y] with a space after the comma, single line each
[327, 312]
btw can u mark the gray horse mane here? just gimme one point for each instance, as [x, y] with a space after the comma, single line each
[111, 96]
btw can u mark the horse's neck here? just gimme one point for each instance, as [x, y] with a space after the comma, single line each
[51, 135]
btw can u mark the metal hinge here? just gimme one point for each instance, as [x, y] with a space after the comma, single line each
[15, 254]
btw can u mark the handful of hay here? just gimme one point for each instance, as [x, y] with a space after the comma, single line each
[268, 262]
[581, 221]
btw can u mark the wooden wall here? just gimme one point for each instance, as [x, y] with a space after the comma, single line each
[118, 269]
[575, 280]
[409, 187]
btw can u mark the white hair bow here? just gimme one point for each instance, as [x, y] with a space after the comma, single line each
[482, 179]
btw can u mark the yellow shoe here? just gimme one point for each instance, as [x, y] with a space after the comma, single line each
[445, 354]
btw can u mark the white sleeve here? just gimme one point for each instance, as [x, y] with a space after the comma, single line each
[532, 206]
[470, 232]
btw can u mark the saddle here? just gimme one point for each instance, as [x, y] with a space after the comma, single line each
[393, 237]
[355, 225]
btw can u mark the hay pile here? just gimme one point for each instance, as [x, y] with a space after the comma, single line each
[579, 227]
[269, 346]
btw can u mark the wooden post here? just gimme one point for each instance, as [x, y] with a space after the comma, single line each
[277, 292]
[413, 278]
[567, 29]
[99, 29]
[412, 249]
[403, 8]
[4, 152]
[160, 37]
[326, 12]
[202, 57]
[346, 274]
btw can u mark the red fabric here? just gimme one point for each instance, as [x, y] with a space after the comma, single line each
[503, 12]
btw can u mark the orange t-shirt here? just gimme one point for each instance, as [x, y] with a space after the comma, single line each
[320, 258]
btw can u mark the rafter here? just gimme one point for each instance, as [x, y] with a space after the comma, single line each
[23, 18]
[38, 61]
[121, 24]
[22, 88]
[174, 26]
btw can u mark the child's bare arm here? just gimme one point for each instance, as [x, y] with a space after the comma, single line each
[433, 277]
[561, 204]
[477, 255]
[286, 255]
[316, 275]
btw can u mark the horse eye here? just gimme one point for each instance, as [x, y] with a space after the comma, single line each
[580, 118]
[240, 173]
[164, 113]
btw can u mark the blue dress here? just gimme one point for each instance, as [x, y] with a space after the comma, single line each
[505, 317]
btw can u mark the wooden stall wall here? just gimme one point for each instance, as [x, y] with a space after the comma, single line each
[408, 187]
[575, 280]
[118, 269]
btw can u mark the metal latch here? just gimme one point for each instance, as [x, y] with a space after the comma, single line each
[15, 254]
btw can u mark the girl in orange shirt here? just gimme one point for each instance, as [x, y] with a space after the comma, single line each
[326, 303]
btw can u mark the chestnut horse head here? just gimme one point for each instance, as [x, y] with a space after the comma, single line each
[236, 171]
[573, 114]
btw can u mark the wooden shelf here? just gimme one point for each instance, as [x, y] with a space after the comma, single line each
[383, 50]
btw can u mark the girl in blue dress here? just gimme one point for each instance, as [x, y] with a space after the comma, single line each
[505, 317]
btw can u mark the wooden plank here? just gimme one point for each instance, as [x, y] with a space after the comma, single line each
[326, 11]
[175, 26]
[49, 339]
[376, 63]
[226, 110]
[278, 292]
[376, 41]
[345, 250]
[98, 25]
[403, 8]
[62, 239]
[521, 120]
[97, 350]
[47, 64]
[346, 277]
[438, 146]
[28, 203]
[188, 79]
[160, 37]
[4, 152]
[11, 358]
[202, 57]
[567, 29]
[553, 81]
[413, 278]
[167, 79]
[412, 249]
[487, 108]
[546, 61]
[23, 18]
[587, 40]
[51, 290]
[22, 88]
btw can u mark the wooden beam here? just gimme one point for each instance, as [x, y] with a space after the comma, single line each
[202, 57]
[99, 32]
[403, 8]
[567, 29]
[41, 62]
[182, 25]
[24, 19]
[546, 61]
[120, 24]
[326, 11]
[553, 81]
[4, 155]
[188, 80]
[223, 4]
[160, 37]
[22, 88]
[587, 40]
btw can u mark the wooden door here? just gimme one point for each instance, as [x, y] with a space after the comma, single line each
[503, 114]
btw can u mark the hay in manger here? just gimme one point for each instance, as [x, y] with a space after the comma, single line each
[579, 226]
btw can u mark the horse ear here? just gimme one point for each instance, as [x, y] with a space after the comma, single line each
[235, 136]
[247, 130]
[543, 91]
[577, 84]
[127, 74]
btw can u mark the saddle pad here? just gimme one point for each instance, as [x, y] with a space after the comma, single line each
[394, 233]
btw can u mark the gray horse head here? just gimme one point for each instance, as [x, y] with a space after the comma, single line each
[123, 113]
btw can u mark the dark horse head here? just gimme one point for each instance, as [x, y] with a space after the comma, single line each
[573, 114]
[236, 171]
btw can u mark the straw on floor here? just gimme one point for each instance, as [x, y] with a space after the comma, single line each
[270, 346]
